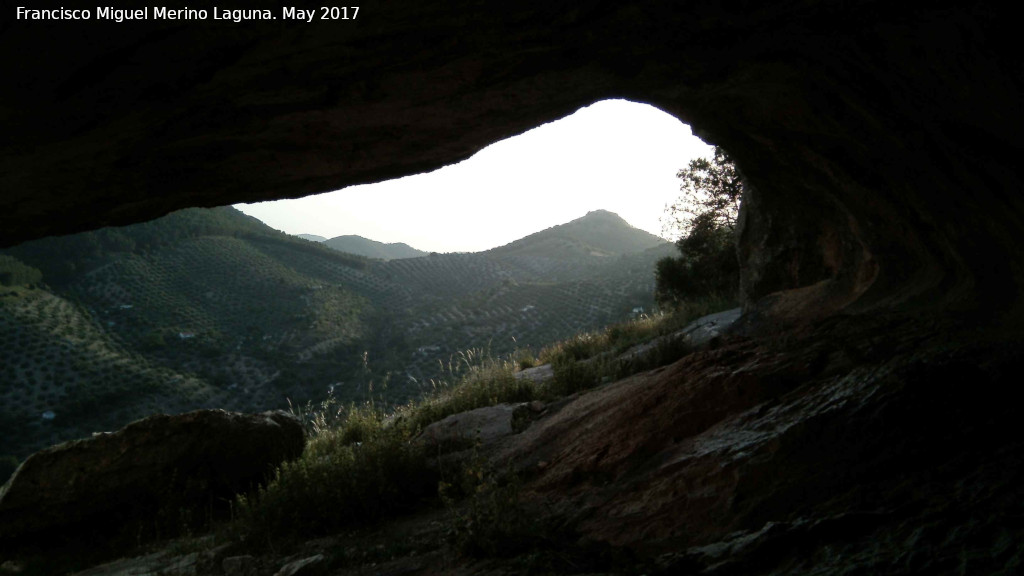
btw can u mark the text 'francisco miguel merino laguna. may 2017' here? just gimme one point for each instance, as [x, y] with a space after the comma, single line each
[109, 13]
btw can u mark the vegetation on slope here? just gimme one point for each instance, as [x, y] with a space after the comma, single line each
[375, 455]
[216, 311]
[198, 302]
[363, 465]
[373, 249]
[210, 308]
[56, 359]
[63, 259]
[14, 273]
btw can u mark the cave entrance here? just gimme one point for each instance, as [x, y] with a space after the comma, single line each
[613, 155]
[210, 309]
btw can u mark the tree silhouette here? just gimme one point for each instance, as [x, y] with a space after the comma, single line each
[705, 217]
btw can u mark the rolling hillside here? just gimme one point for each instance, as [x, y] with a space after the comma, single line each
[373, 249]
[211, 308]
[203, 308]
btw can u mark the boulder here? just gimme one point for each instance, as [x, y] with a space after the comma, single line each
[536, 374]
[484, 425]
[151, 478]
[701, 333]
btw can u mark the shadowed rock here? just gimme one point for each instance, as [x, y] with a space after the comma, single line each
[881, 146]
[149, 477]
[826, 449]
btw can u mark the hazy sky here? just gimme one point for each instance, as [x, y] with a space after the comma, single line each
[613, 155]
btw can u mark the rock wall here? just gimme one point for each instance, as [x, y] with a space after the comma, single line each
[861, 444]
[880, 141]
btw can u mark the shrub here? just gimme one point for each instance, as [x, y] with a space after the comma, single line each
[153, 340]
[360, 464]
[338, 483]
[492, 523]
[524, 358]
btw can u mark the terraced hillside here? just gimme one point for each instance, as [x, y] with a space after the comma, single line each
[371, 248]
[210, 308]
[63, 375]
[200, 309]
[503, 303]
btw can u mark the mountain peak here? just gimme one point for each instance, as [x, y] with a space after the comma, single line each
[599, 232]
[601, 213]
[602, 217]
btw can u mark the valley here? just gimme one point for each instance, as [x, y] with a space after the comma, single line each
[209, 308]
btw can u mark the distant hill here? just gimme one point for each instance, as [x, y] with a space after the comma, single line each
[372, 249]
[599, 233]
[199, 309]
[311, 237]
[213, 309]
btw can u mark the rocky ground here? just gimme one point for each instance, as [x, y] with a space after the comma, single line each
[856, 445]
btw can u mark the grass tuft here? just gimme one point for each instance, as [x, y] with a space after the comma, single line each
[353, 474]
[477, 380]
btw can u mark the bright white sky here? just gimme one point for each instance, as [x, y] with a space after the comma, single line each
[613, 155]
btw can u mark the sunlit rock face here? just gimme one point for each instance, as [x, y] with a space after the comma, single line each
[880, 141]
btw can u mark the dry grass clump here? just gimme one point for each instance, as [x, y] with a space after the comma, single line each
[361, 465]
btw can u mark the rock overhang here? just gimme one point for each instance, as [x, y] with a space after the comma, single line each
[880, 142]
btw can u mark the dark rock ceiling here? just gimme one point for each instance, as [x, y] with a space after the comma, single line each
[882, 140]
